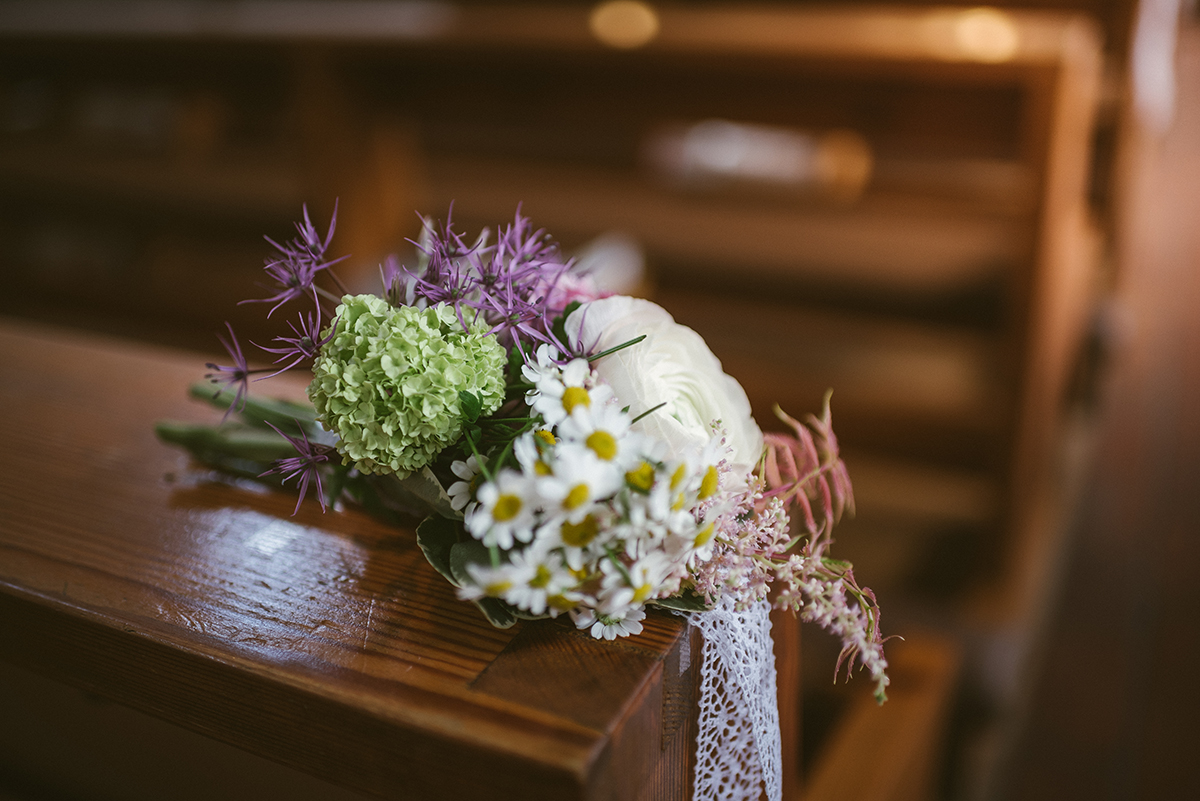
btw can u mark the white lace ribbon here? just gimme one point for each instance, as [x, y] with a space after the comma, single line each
[738, 752]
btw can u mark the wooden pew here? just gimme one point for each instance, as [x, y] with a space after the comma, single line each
[934, 267]
[323, 642]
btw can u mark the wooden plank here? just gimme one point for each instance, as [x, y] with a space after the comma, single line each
[923, 36]
[892, 753]
[910, 248]
[255, 187]
[926, 391]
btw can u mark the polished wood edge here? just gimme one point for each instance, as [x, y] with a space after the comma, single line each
[367, 746]
[649, 683]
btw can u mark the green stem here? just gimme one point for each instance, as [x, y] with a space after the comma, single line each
[622, 346]
[325, 293]
[483, 468]
[618, 564]
[648, 412]
[337, 282]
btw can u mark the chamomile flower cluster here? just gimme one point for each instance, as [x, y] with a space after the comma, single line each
[595, 519]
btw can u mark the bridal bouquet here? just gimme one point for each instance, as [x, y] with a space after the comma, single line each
[571, 454]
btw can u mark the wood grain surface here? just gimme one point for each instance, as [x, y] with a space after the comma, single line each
[323, 641]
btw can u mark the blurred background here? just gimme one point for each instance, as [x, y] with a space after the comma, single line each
[978, 225]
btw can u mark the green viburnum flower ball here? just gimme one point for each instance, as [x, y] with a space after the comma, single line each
[387, 382]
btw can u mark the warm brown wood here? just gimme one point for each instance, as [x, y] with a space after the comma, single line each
[321, 641]
[785, 633]
[892, 753]
[944, 300]
[900, 244]
[1111, 710]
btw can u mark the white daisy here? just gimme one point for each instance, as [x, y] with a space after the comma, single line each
[581, 541]
[506, 510]
[604, 429]
[579, 480]
[609, 627]
[493, 582]
[534, 451]
[549, 586]
[462, 493]
[557, 396]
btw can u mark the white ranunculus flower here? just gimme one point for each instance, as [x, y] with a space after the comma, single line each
[672, 365]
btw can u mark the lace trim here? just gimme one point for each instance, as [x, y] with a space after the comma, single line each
[738, 751]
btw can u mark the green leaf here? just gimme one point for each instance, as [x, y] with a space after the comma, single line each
[421, 493]
[687, 601]
[471, 405]
[465, 553]
[525, 614]
[515, 362]
[437, 536]
[498, 613]
[622, 346]
[559, 326]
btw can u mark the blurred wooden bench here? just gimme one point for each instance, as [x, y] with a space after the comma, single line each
[930, 255]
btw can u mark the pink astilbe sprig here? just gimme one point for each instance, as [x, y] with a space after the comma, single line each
[752, 533]
[823, 591]
[805, 468]
[754, 550]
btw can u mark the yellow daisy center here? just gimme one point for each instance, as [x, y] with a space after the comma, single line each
[574, 396]
[679, 475]
[507, 507]
[580, 534]
[578, 496]
[641, 478]
[541, 578]
[561, 603]
[708, 484]
[603, 444]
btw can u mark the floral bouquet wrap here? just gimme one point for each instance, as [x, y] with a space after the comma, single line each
[571, 454]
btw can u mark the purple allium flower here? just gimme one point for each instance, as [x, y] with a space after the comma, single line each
[234, 375]
[450, 275]
[299, 261]
[305, 344]
[508, 284]
[305, 464]
[511, 314]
